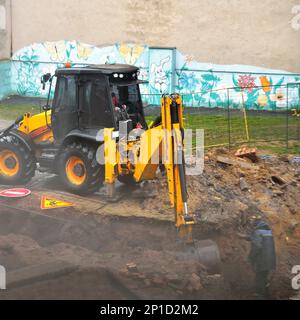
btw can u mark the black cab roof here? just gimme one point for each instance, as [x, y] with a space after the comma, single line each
[106, 69]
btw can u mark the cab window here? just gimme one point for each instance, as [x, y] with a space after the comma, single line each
[94, 105]
[65, 98]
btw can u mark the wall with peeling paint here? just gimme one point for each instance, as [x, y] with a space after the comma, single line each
[250, 32]
[5, 29]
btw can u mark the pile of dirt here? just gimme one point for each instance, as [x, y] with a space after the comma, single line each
[229, 193]
[224, 191]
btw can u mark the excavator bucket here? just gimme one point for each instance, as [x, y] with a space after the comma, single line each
[205, 252]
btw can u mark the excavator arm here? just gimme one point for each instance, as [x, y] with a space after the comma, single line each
[172, 124]
[163, 143]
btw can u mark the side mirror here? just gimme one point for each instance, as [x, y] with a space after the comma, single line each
[44, 79]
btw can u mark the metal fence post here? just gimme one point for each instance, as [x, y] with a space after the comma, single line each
[245, 116]
[287, 116]
[228, 119]
[298, 109]
[174, 65]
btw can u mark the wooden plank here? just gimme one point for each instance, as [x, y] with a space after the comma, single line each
[240, 163]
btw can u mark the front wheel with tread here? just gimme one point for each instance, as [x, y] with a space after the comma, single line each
[17, 163]
[79, 170]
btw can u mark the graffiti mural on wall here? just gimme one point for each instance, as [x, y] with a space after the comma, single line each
[130, 53]
[31, 62]
[262, 94]
[166, 70]
[159, 73]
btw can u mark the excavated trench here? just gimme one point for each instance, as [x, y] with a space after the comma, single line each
[101, 247]
[129, 249]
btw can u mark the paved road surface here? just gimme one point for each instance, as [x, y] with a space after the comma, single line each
[4, 124]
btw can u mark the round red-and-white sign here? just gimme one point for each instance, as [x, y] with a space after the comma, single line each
[15, 193]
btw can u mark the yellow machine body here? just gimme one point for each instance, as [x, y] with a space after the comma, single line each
[37, 126]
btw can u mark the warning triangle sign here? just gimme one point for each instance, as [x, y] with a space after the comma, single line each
[52, 203]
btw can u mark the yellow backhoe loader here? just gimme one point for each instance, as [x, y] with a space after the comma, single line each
[94, 132]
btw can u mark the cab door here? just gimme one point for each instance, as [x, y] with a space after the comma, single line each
[95, 106]
[64, 117]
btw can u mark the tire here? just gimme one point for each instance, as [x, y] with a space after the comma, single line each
[17, 163]
[78, 169]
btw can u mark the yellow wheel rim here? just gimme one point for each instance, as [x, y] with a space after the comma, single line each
[76, 171]
[9, 163]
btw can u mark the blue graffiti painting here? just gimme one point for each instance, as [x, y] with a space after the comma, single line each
[201, 84]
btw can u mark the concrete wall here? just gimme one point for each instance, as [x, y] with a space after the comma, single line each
[5, 29]
[5, 79]
[5, 48]
[251, 32]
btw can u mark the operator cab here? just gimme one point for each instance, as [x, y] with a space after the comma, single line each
[96, 97]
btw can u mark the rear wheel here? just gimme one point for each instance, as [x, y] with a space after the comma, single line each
[78, 169]
[17, 163]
